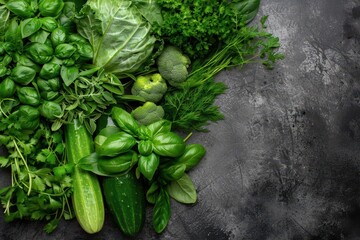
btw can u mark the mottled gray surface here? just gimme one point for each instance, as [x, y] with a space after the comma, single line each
[285, 163]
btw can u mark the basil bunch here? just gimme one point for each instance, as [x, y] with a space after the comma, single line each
[46, 64]
[46, 79]
[159, 155]
[32, 65]
[150, 142]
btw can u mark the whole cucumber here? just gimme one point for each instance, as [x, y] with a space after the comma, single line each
[125, 198]
[87, 197]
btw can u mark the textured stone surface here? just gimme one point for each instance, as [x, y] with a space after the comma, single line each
[285, 162]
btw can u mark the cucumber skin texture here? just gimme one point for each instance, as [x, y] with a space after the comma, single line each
[125, 198]
[87, 197]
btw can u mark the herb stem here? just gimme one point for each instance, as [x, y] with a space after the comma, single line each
[26, 166]
[68, 206]
[1, 110]
[188, 136]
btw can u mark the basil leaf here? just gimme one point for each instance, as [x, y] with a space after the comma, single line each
[86, 53]
[144, 132]
[21, 8]
[90, 163]
[29, 26]
[40, 53]
[152, 193]
[50, 70]
[104, 134]
[13, 36]
[51, 110]
[69, 74]
[23, 75]
[29, 96]
[148, 165]
[115, 144]
[58, 36]
[28, 117]
[172, 172]
[124, 120]
[161, 211]
[247, 9]
[7, 88]
[4, 18]
[22, 60]
[78, 3]
[64, 50]
[145, 147]
[40, 36]
[49, 24]
[50, 8]
[192, 155]
[182, 190]
[168, 144]
[109, 130]
[108, 166]
[118, 164]
[162, 126]
[66, 18]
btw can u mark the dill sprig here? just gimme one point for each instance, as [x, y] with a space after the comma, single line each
[191, 107]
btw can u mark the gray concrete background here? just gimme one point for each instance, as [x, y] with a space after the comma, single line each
[285, 162]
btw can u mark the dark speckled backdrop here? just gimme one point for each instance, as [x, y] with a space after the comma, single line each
[285, 162]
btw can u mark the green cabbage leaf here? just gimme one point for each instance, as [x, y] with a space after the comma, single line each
[119, 34]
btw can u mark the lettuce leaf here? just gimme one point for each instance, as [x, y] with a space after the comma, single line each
[120, 36]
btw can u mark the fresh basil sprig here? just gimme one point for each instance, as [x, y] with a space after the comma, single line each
[159, 155]
[152, 142]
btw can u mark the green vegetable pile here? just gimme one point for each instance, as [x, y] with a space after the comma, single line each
[95, 97]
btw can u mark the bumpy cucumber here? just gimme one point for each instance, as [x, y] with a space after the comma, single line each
[125, 197]
[87, 196]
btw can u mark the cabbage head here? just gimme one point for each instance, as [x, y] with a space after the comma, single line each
[120, 36]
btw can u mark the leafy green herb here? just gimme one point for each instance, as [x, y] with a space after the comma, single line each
[196, 27]
[148, 165]
[182, 190]
[87, 97]
[246, 9]
[193, 108]
[162, 160]
[161, 211]
[4, 18]
[36, 192]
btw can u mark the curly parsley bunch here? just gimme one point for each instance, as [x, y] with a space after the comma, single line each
[195, 26]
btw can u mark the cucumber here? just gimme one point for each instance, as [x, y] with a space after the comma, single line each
[125, 198]
[87, 196]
